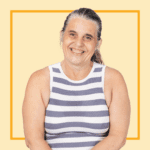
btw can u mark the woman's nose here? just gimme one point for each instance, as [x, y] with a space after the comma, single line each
[79, 42]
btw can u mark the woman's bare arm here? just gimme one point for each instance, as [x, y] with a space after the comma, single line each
[33, 112]
[119, 115]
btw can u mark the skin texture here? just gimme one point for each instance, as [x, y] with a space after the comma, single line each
[76, 67]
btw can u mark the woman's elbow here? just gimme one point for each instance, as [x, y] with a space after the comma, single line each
[34, 142]
[27, 142]
[123, 142]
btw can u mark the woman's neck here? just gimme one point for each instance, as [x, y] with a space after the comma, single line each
[76, 72]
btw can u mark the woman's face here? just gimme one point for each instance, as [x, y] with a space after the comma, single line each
[79, 41]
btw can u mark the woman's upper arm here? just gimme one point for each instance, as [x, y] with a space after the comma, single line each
[33, 109]
[120, 106]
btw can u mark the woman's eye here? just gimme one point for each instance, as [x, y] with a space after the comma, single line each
[88, 38]
[72, 34]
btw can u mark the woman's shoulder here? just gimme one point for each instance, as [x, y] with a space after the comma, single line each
[114, 76]
[41, 73]
[112, 72]
[40, 77]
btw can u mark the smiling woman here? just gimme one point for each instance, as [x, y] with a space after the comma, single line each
[68, 105]
[79, 41]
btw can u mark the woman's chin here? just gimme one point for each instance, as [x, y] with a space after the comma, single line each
[76, 61]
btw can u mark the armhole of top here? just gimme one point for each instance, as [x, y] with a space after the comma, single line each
[51, 77]
[103, 76]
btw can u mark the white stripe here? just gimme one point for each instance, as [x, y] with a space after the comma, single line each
[74, 148]
[76, 129]
[76, 108]
[74, 139]
[76, 119]
[77, 98]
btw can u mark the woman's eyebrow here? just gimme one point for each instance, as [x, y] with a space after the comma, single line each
[72, 31]
[89, 35]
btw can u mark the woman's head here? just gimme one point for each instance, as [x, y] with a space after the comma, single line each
[89, 22]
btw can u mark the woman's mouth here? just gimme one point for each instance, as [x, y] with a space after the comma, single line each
[77, 51]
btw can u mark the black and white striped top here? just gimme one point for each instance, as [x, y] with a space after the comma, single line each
[77, 116]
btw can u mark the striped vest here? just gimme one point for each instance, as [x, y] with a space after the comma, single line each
[77, 116]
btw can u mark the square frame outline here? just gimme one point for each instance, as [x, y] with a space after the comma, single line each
[68, 11]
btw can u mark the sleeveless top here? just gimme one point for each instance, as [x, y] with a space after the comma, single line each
[77, 116]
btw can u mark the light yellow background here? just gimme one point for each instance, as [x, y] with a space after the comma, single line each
[36, 45]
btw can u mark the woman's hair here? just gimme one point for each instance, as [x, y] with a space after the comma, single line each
[90, 15]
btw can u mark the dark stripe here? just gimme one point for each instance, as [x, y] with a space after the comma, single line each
[77, 144]
[77, 124]
[77, 113]
[63, 81]
[72, 134]
[98, 69]
[56, 70]
[77, 103]
[77, 93]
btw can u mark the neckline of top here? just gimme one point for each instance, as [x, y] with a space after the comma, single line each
[76, 81]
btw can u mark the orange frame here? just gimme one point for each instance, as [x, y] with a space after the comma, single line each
[68, 11]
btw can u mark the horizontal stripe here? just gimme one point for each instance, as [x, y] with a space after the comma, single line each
[77, 113]
[73, 139]
[93, 75]
[77, 108]
[76, 144]
[75, 148]
[56, 70]
[81, 87]
[77, 124]
[83, 92]
[77, 119]
[98, 69]
[104, 119]
[77, 103]
[74, 135]
[76, 129]
[64, 81]
[78, 97]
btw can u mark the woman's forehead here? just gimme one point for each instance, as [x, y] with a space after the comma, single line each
[82, 24]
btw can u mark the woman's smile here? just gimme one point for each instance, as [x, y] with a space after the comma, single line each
[76, 51]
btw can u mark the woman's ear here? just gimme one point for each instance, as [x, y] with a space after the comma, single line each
[99, 44]
[61, 36]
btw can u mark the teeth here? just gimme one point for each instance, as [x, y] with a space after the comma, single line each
[77, 51]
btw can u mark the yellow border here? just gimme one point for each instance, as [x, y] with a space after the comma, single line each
[68, 11]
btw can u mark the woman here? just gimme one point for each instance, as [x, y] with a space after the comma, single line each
[68, 105]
